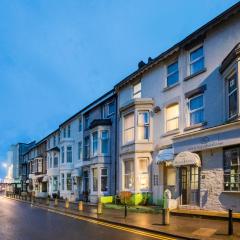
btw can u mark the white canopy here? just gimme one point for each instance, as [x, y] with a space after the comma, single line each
[187, 158]
[165, 155]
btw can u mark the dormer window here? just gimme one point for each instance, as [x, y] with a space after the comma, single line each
[196, 60]
[232, 96]
[137, 88]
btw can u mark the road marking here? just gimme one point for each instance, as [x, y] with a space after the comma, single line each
[126, 229]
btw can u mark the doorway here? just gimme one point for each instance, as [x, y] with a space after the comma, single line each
[189, 185]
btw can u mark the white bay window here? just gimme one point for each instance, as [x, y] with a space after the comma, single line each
[128, 174]
[143, 174]
[143, 125]
[128, 128]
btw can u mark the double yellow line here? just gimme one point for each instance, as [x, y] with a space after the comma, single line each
[126, 229]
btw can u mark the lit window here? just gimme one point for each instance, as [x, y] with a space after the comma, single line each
[104, 141]
[172, 74]
[128, 174]
[86, 148]
[129, 128]
[95, 143]
[79, 150]
[110, 108]
[62, 150]
[69, 182]
[196, 60]
[69, 154]
[137, 90]
[171, 176]
[172, 117]
[143, 173]
[143, 125]
[196, 110]
[104, 179]
[95, 179]
[232, 97]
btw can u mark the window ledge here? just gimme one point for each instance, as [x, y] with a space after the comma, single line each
[195, 74]
[195, 126]
[172, 86]
[173, 132]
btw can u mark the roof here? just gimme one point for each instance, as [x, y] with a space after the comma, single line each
[199, 33]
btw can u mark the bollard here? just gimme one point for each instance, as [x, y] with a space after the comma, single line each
[99, 208]
[80, 206]
[165, 216]
[230, 222]
[125, 210]
[67, 203]
[55, 202]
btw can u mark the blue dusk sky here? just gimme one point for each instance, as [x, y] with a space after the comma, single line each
[56, 56]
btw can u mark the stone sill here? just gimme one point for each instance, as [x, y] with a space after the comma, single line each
[170, 133]
[170, 87]
[195, 126]
[195, 74]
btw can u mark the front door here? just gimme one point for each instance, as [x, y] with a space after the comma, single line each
[189, 185]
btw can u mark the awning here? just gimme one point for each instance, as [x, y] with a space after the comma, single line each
[45, 178]
[187, 158]
[165, 155]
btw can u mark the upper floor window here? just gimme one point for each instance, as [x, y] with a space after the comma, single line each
[64, 133]
[137, 88]
[69, 131]
[196, 60]
[62, 154]
[172, 74]
[86, 122]
[79, 150]
[80, 125]
[86, 147]
[95, 143]
[69, 154]
[196, 109]
[143, 125]
[128, 134]
[104, 141]
[54, 141]
[48, 143]
[110, 108]
[232, 169]
[232, 97]
[59, 138]
[55, 161]
[172, 117]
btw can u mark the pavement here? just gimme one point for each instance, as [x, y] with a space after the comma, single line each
[180, 226]
[21, 221]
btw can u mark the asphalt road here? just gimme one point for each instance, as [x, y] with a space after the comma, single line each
[20, 221]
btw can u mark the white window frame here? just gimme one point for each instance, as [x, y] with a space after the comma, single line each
[137, 92]
[62, 155]
[62, 181]
[167, 120]
[124, 130]
[69, 146]
[97, 144]
[194, 61]
[131, 174]
[144, 173]
[170, 74]
[80, 124]
[71, 182]
[69, 131]
[229, 94]
[93, 169]
[102, 139]
[195, 110]
[144, 125]
[110, 113]
[101, 180]
[80, 150]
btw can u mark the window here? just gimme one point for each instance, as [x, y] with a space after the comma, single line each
[55, 161]
[79, 150]
[69, 154]
[232, 97]
[95, 143]
[86, 148]
[48, 144]
[69, 131]
[137, 90]
[104, 179]
[128, 174]
[129, 128]
[54, 141]
[50, 162]
[62, 181]
[232, 169]
[196, 110]
[110, 108]
[62, 150]
[172, 74]
[59, 138]
[196, 60]
[69, 182]
[172, 117]
[143, 173]
[86, 123]
[171, 176]
[80, 125]
[95, 179]
[55, 183]
[104, 141]
[143, 125]
[64, 133]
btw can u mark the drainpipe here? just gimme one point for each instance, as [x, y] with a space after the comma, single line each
[116, 142]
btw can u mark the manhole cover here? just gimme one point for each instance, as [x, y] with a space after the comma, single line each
[204, 232]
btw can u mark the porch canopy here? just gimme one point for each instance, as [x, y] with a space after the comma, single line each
[165, 155]
[187, 158]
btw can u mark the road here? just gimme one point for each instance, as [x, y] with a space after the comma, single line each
[20, 221]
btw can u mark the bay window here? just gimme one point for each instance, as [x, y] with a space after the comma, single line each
[62, 181]
[128, 174]
[86, 147]
[143, 125]
[69, 154]
[137, 88]
[128, 128]
[172, 74]
[196, 109]
[95, 179]
[143, 173]
[104, 141]
[55, 161]
[104, 180]
[172, 117]
[232, 97]
[69, 182]
[196, 60]
[62, 154]
[79, 150]
[232, 169]
[95, 143]
[55, 183]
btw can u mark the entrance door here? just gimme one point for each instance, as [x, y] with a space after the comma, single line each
[189, 185]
